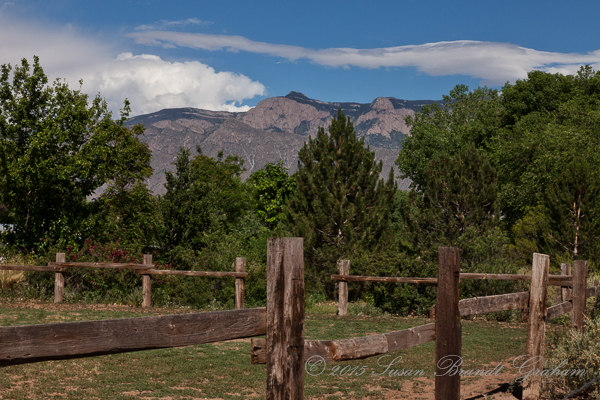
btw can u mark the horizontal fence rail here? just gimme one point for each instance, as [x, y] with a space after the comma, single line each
[389, 279]
[99, 265]
[41, 268]
[355, 348]
[146, 270]
[554, 280]
[192, 273]
[59, 341]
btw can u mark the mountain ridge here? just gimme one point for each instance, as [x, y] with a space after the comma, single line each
[275, 129]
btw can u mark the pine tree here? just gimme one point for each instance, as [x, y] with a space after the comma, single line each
[340, 206]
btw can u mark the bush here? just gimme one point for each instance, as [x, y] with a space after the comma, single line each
[575, 351]
[394, 298]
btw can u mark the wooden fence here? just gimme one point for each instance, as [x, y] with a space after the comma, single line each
[282, 321]
[145, 269]
[284, 351]
[449, 309]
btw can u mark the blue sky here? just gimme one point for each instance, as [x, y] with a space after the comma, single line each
[229, 55]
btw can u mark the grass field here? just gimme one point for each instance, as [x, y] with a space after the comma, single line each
[223, 370]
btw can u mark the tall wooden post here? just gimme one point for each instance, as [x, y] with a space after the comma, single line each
[59, 280]
[344, 267]
[536, 326]
[240, 266]
[580, 273]
[147, 284]
[447, 326]
[285, 319]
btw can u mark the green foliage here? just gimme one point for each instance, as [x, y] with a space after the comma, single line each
[464, 119]
[128, 214]
[340, 207]
[523, 159]
[402, 299]
[89, 284]
[571, 353]
[548, 119]
[55, 150]
[572, 202]
[205, 199]
[270, 188]
[459, 193]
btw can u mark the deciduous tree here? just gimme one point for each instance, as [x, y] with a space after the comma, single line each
[56, 149]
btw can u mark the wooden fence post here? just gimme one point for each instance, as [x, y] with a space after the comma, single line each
[447, 325]
[240, 266]
[565, 269]
[59, 280]
[580, 274]
[536, 326]
[344, 268]
[147, 284]
[285, 319]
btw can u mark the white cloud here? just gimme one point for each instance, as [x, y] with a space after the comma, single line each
[149, 82]
[164, 24]
[494, 63]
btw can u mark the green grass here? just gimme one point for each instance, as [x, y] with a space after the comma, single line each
[223, 370]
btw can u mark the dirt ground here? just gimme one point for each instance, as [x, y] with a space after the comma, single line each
[497, 387]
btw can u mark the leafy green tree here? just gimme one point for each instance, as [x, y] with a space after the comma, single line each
[573, 210]
[205, 199]
[56, 149]
[463, 119]
[548, 119]
[270, 187]
[128, 214]
[341, 206]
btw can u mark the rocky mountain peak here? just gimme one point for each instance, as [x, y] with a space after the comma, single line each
[274, 130]
[382, 104]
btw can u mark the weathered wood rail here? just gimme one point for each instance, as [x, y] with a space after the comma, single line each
[284, 351]
[447, 325]
[554, 280]
[355, 348]
[33, 343]
[282, 321]
[60, 266]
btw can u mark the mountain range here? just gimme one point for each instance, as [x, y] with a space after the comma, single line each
[275, 129]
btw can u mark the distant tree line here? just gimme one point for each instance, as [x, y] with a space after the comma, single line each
[500, 174]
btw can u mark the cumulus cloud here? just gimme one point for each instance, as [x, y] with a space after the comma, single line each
[494, 63]
[149, 82]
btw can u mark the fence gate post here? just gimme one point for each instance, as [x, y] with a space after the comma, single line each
[580, 274]
[285, 319]
[447, 325]
[536, 326]
[344, 267]
[59, 280]
[240, 266]
[147, 284]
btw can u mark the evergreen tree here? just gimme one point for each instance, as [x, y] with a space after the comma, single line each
[340, 206]
[459, 192]
[205, 198]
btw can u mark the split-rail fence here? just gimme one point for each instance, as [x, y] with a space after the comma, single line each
[285, 351]
[146, 270]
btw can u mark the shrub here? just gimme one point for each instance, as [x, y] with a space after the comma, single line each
[575, 351]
